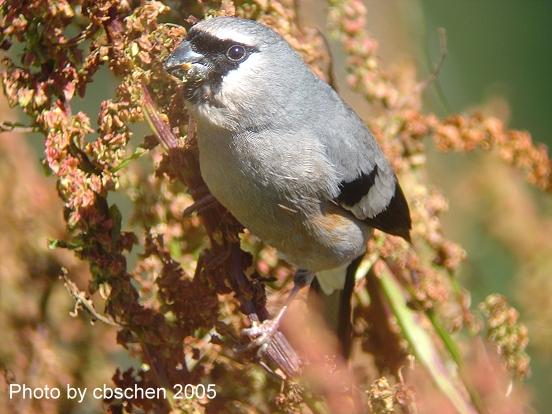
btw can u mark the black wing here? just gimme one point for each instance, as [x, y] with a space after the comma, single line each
[394, 218]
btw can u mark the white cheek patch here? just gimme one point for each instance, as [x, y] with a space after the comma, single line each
[232, 102]
[236, 87]
[243, 75]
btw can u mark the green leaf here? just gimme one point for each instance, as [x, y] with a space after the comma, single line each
[75, 244]
[134, 156]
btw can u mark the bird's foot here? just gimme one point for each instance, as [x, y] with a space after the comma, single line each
[261, 334]
[206, 202]
[269, 341]
[270, 345]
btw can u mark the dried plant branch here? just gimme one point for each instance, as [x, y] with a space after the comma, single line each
[443, 52]
[83, 302]
[8, 126]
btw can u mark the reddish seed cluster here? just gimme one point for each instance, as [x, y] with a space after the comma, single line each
[364, 73]
[460, 133]
[507, 333]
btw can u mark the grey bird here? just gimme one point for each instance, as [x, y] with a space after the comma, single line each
[283, 153]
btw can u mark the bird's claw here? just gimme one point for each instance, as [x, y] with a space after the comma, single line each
[261, 334]
[271, 347]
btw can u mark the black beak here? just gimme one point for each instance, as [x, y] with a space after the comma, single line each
[181, 56]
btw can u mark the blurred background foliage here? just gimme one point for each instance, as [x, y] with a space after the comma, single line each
[499, 57]
[499, 61]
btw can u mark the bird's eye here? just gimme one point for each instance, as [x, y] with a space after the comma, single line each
[235, 52]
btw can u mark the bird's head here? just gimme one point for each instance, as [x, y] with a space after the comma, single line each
[235, 71]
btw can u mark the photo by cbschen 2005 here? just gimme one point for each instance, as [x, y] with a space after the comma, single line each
[285, 155]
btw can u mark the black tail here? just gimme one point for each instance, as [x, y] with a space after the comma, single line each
[337, 308]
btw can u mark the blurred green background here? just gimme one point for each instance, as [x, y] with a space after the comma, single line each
[496, 49]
